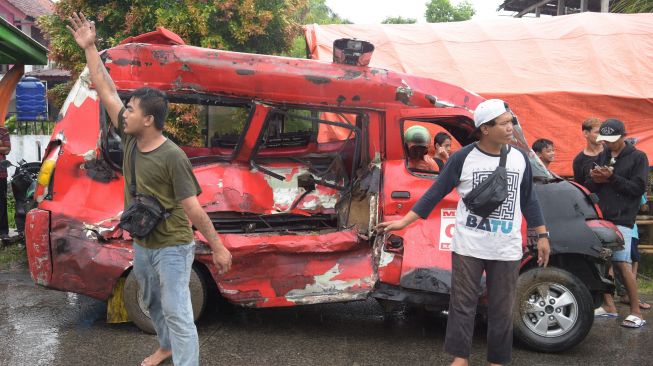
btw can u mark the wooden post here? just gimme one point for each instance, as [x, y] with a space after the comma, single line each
[605, 6]
[583, 6]
[562, 7]
[537, 12]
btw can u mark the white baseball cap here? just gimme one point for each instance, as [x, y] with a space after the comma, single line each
[489, 110]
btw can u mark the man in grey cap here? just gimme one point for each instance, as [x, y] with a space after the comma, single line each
[619, 178]
[492, 244]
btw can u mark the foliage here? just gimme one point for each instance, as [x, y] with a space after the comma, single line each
[11, 124]
[438, 11]
[399, 20]
[239, 25]
[13, 256]
[58, 93]
[183, 124]
[11, 210]
[256, 26]
[314, 12]
[317, 12]
[632, 6]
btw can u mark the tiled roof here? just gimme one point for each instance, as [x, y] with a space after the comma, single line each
[49, 73]
[33, 8]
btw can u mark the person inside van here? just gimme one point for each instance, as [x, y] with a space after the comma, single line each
[442, 143]
[544, 150]
[417, 139]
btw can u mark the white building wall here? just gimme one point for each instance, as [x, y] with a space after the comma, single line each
[25, 147]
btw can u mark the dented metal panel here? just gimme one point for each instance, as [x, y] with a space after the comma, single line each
[184, 68]
[37, 243]
[426, 253]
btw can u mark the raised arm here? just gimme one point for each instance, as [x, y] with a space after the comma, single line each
[84, 33]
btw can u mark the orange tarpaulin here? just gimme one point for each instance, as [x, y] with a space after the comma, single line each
[554, 72]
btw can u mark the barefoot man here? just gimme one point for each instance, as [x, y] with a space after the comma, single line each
[163, 258]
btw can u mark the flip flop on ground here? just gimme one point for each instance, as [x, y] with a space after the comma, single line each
[633, 321]
[601, 313]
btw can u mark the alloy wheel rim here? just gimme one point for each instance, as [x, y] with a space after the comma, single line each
[549, 310]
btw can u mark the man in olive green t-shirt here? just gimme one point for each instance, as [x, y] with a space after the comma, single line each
[164, 258]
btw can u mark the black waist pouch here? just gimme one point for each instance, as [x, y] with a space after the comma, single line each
[142, 216]
[488, 195]
[144, 212]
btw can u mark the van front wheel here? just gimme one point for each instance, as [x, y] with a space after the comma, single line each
[138, 312]
[554, 310]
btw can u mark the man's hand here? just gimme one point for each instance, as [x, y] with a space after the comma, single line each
[442, 153]
[82, 30]
[543, 251]
[222, 260]
[599, 174]
[199, 218]
[84, 33]
[388, 226]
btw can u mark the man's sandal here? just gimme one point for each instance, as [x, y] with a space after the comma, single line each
[633, 321]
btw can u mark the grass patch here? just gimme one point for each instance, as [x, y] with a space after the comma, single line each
[12, 256]
[645, 274]
[645, 284]
[11, 209]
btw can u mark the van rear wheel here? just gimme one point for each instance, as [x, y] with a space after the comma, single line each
[139, 314]
[554, 310]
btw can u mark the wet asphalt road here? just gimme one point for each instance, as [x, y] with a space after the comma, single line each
[46, 327]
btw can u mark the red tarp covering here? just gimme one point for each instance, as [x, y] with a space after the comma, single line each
[555, 72]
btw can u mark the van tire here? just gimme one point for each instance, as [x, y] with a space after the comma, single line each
[567, 301]
[140, 316]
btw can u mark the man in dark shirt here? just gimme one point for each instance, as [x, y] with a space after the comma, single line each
[619, 179]
[162, 259]
[584, 161]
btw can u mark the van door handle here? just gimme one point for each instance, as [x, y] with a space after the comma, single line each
[400, 194]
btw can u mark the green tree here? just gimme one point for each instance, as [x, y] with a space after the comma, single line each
[317, 12]
[632, 6]
[239, 25]
[257, 26]
[314, 12]
[438, 11]
[399, 20]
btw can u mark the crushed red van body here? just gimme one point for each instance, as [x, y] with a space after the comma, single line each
[298, 161]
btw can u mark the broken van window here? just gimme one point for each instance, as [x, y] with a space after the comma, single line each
[325, 144]
[420, 153]
[205, 129]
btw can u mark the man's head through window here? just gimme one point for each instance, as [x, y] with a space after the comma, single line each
[544, 149]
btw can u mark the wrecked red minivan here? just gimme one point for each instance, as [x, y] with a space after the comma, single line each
[298, 161]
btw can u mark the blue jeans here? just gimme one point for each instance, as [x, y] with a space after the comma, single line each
[163, 276]
[624, 254]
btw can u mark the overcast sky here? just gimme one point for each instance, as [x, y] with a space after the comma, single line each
[374, 11]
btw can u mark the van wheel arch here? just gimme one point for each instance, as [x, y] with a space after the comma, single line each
[199, 293]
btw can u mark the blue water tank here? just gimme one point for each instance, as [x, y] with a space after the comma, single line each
[31, 103]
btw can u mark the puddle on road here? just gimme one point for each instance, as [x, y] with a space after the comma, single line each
[32, 318]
